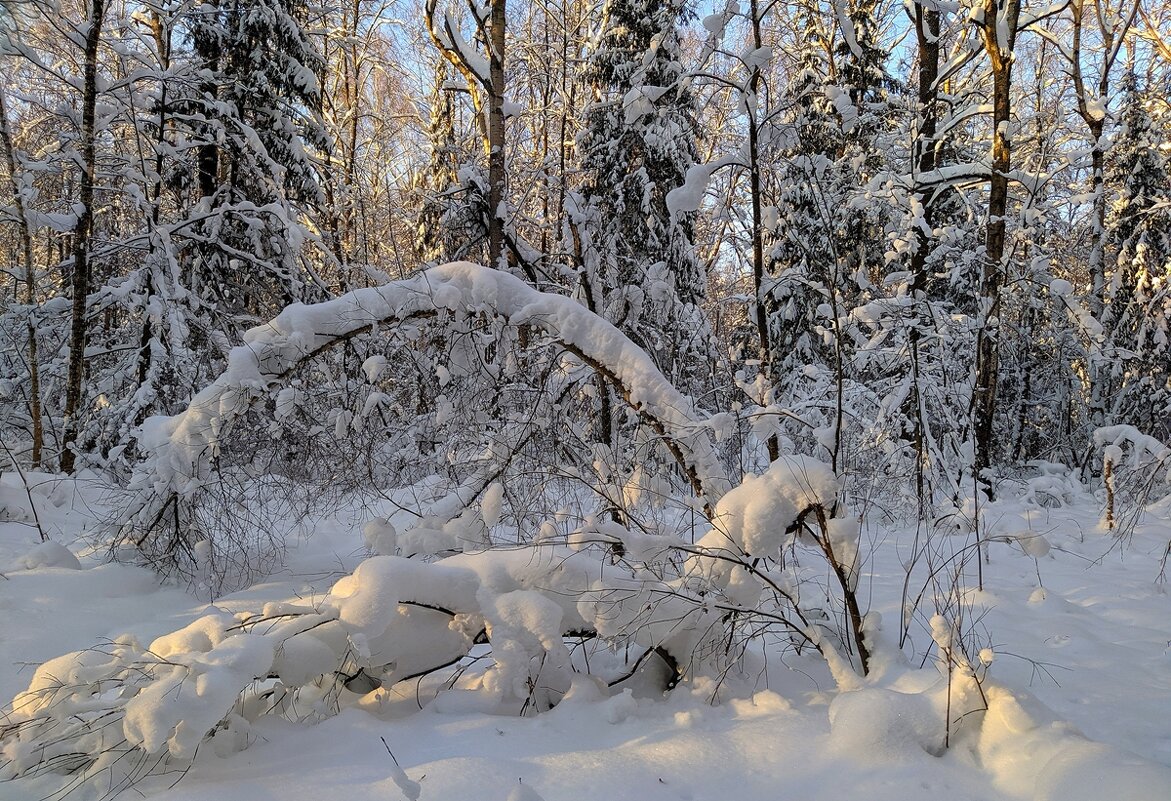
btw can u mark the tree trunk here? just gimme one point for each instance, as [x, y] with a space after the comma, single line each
[1100, 374]
[161, 32]
[30, 283]
[927, 36]
[927, 24]
[1113, 26]
[208, 161]
[78, 332]
[755, 189]
[496, 177]
[998, 31]
[482, 87]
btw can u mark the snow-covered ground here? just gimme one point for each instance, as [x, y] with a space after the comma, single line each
[1078, 689]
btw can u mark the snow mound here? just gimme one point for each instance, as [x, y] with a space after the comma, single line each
[756, 515]
[194, 690]
[365, 599]
[885, 725]
[1030, 753]
[47, 554]
[381, 536]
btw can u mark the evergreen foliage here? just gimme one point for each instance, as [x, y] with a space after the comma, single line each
[1138, 314]
[638, 143]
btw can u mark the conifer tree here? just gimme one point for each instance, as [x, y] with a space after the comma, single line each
[256, 117]
[1138, 314]
[801, 261]
[437, 180]
[638, 143]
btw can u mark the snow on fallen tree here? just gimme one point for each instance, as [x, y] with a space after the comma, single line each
[509, 627]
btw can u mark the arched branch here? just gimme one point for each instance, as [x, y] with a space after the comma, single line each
[179, 451]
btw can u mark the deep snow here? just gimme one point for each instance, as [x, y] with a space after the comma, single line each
[1079, 686]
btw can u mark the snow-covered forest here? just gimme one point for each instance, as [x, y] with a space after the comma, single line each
[554, 400]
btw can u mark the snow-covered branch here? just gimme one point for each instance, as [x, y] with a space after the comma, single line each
[180, 449]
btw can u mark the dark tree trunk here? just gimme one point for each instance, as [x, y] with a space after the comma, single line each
[30, 284]
[767, 362]
[927, 36]
[496, 177]
[209, 53]
[79, 330]
[927, 24]
[1000, 55]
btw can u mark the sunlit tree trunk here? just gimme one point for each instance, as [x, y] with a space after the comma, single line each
[487, 93]
[1112, 25]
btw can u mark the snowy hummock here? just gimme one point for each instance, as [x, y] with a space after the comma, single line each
[755, 516]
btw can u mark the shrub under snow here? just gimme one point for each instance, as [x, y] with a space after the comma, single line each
[441, 602]
[684, 607]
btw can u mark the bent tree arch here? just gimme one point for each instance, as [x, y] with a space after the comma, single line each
[179, 451]
[115, 713]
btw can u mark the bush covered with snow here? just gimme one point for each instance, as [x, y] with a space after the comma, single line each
[456, 598]
[512, 624]
[488, 375]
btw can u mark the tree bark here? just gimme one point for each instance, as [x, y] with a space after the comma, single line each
[999, 41]
[79, 329]
[927, 24]
[30, 284]
[488, 87]
[926, 20]
[208, 159]
[161, 32]
[496, 176]
[755, 189]
[1113, 27]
